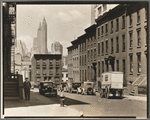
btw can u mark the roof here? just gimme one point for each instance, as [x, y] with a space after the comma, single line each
[113, 72]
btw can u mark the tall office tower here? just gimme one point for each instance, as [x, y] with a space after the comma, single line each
[40, 42]
[42, 37]
[56, 48]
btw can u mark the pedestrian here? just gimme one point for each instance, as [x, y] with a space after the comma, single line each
[27, 86]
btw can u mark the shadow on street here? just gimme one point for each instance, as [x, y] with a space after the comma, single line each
[37, 99]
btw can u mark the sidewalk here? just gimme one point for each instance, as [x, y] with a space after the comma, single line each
[138, 98]
[38, 106]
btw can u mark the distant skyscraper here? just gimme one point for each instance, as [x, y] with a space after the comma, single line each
[40, 43]
[56, 48]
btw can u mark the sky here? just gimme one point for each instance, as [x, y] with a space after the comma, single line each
[64, 23]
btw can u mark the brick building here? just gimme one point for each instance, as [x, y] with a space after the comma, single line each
[45, 67]
[106, 45]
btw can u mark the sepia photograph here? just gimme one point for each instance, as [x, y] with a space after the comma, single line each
[74, 59]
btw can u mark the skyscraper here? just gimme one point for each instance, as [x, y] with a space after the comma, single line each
[56, 48]
[40, 42]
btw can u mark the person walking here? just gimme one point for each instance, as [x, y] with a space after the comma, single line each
[27, 86]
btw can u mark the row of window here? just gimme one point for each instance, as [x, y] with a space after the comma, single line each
[44, 63]
[138, 62]
[45, 72]
[66, 75]
[101, 30]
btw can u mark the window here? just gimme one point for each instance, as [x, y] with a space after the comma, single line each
[131, 39]
[111, 26]
[66, 75]
[106, 77]
[80, 60]
[88, 54]
[37, 62]
[117, 24]
[88, 72]
[102, 30]
[124, 67]
[98, 69]
[138, 16]
[82, 47]
[117, 46]
[57, 71]
[102, 66]
[106, 46]
[104, 7]
[38, 71]
[62, 75]
[139, 63]
[123, 22]
[85, 75]
[146, 36]
[123, 43]
[102, 48]
[130, 19]
[117, 61]
[91, 54]
[85, 47]
[112, 49]
[99, 10]
[85, 59]
[94, 53]
[131, 63]
[106, 28]
[98, 48]
[98, 32]
[138, 38]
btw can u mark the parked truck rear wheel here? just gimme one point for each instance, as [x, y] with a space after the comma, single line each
[101, 93]
[107, 93]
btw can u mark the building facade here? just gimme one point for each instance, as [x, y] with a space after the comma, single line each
[70, 64]
[64, 75]
[114, 44]
[46, 67]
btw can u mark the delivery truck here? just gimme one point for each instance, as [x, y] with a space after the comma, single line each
[111, 83]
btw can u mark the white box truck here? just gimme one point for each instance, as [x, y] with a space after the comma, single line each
[111, 82]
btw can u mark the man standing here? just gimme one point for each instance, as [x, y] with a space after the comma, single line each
[27, 86]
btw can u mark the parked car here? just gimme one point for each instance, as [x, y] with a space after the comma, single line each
[111, 82]
[86, 88]
[74, 86]
[47, 88]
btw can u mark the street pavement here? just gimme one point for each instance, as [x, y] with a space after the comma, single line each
[76, 105]
[112, 107]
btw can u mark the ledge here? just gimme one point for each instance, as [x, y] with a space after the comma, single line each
[138, 46]
[130, 26]
[138, 23]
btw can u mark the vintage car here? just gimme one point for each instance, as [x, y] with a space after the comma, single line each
[74, 86]
[86, 88]
[47, 88]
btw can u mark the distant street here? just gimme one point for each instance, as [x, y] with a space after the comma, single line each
[95, 106]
